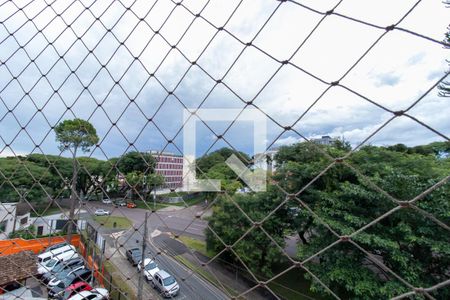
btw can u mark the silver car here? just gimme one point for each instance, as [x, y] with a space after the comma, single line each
[101, 212]
[165, 284]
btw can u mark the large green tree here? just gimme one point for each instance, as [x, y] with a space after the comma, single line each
[411, 245]
[135, 161]
[343, 201]
[256, 249]
[75, 135]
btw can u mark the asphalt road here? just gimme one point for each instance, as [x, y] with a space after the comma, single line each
[176, 221]
[184, 220]
[191, 286]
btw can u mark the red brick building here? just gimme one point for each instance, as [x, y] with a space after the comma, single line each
[170, 166]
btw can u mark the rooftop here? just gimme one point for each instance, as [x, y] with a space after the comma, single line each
[17, 267]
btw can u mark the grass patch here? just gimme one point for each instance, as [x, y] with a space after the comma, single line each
[149, 205]
[203, 273]
[118, 287]
[292, 285]
[190, 202]
[197, 245]
[108, 222]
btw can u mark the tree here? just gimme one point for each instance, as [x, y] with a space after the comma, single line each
[256, 250]
[413, 246]
[74, 135]
[407, 242]
[135, 161]
[143, 184]
[444, 86]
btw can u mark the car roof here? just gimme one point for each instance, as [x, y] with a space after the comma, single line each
[163, 274]
[81, 295]
[99, 291]
[79, 272]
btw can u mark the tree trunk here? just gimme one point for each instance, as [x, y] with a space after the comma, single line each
[73, 196]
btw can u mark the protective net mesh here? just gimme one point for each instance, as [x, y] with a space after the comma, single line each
[130, 68]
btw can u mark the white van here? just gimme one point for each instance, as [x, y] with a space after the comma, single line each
[50, 264]
[46, 256]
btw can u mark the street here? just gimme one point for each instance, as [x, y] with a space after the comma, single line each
[181, 220]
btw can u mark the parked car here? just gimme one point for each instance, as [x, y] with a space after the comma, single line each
[120, 203]
[43, 258]
[55, 261]
[106, 201]
[75, 289]
[55, 246]
[62, 267]
[134, 256]
[60, 277]
[95, 294]
[102, 212]
[165, 284]
[131, 205]
[58, 290]
[150, 268]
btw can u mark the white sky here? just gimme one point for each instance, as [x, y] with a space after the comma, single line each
[399, 69]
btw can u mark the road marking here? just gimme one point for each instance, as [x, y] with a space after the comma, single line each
[155, 233]
[116, 235]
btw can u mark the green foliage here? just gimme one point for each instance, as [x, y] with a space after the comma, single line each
[213, 166]
[444, 86]
[256, 250]
[135, 162]
[26, 234]
[413, 246]
[407, 242]
[218, 157]
[21, 177]
[76, 133]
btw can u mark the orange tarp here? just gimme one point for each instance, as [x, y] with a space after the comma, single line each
[36, 245]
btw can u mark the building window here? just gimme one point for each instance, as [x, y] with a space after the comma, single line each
[24, 221]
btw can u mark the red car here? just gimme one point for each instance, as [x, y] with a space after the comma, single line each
[76, 288]
[131, 205]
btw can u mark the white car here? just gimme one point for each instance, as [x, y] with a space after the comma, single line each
[95, 294]
[150, 268]
[107, 201]
[101, 212]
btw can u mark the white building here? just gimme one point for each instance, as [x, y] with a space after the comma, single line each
[54, 223]
[10, 221]
[324, 140]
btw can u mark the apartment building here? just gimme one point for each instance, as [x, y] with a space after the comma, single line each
[170, 166]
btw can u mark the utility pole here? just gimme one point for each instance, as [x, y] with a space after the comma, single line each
[144, 246]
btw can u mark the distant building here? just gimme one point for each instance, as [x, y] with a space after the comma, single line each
[170, 166]
[324, 140]
[12, 220]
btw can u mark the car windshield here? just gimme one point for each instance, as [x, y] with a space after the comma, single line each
[58, 268]
[168, 281]
[150, 266]
[51, 263]
[63, 274]
[136, 253]
[66, 281]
